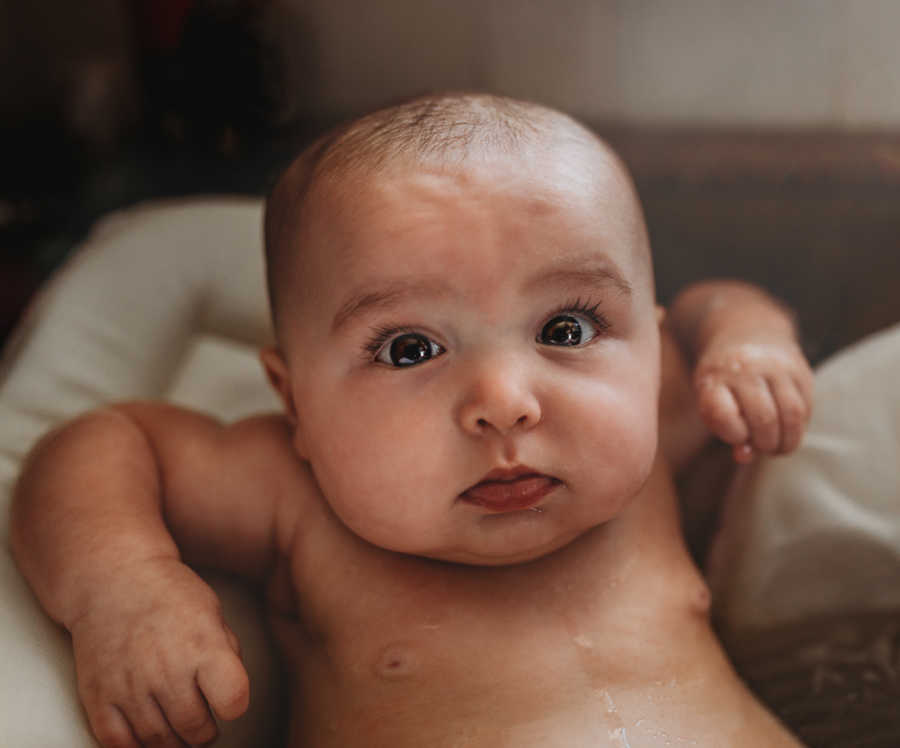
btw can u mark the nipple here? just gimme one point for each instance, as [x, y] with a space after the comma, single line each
[701, 600]
[397, 661]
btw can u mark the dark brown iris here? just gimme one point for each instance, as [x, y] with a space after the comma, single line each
[564, 330]
[410, 349]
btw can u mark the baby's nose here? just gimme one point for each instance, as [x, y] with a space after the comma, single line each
[500, 401]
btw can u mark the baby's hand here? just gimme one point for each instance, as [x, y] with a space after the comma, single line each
[755, 395]
[155, 659]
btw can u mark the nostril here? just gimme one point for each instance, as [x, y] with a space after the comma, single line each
[482, 423]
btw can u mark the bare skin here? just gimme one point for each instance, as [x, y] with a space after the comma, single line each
[603, 643]
[409, 614]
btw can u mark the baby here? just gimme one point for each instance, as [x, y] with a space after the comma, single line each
[465, 519]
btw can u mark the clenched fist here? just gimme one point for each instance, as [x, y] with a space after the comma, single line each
[155, 659]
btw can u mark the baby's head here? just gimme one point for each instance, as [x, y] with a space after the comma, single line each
[467, 337]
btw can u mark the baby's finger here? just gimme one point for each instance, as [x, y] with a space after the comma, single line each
[758, 406]
[233, 640]
[151, 727]
[743, 454]
[793, 412]
[188, 714]
[805, 383]
[721, 413]
[111, 728]
[225, 685]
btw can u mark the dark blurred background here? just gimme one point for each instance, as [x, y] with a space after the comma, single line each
[763, 137]
[105, 103]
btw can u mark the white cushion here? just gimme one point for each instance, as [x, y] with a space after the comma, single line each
[165, 300]
[819, 532]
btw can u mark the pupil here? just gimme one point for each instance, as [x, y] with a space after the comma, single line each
[563, 331]
[409, 349]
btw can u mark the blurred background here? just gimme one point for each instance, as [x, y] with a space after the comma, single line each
[764, 137]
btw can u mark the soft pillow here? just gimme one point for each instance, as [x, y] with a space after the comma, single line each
[165, 300]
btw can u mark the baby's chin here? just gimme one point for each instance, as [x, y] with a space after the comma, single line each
[520, 548]
[477, 535]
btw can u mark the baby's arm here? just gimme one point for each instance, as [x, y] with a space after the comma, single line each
[103, 514]
[751, 381]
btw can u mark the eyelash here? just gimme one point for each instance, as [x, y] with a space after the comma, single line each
[584, 308]
[383, 333]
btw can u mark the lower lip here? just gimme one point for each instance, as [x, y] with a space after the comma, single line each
[510, 496]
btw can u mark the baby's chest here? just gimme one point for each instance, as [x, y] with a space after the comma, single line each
[427, 650]
[390, 619]
[409, 652]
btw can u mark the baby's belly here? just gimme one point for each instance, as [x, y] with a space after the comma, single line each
[530, 692]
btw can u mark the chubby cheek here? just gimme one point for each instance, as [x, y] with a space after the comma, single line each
[376, 459]
[610, 429]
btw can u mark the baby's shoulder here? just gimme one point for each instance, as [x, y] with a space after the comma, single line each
[265, 447]
[270, 433]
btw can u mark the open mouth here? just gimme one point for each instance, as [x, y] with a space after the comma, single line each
[510, 490]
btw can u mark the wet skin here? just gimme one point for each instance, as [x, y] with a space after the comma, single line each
[605, 642]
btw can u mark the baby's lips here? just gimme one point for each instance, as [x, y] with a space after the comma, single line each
[517, 493]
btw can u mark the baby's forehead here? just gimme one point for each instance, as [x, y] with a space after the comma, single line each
[399, 249]
[574, 187]
[552, 159]
[569, 170]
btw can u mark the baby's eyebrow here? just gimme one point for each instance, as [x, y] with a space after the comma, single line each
[592, 273]
[392, 292]
[386, 296]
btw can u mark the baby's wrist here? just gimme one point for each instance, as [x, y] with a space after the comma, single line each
[758, 323]
[112, 585]
[717, 314]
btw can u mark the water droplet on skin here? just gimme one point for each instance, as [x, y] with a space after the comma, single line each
[617, 733]
[648, 728]
[610, 705]
[619, 737]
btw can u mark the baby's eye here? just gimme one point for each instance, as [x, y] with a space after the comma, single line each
[567, 330]
[408, 349]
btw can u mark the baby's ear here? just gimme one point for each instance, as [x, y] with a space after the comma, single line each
[277, 371]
